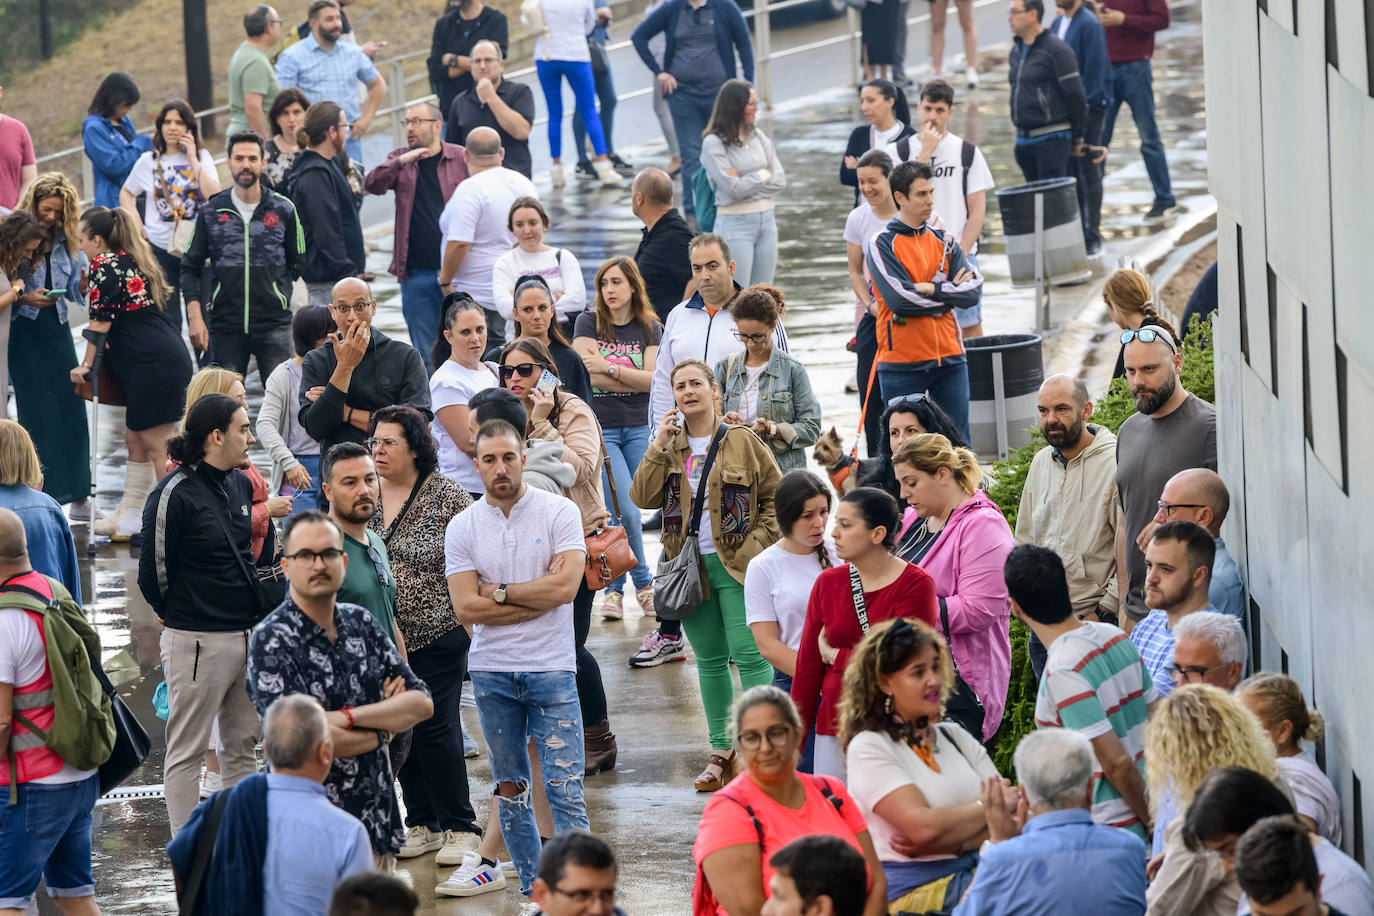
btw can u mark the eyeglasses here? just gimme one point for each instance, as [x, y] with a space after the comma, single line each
[909, 398]
[416, 122]
[586, 896]
[1149, 335]
[358, 309]
[777, 735]
[329, 555]
[524, 370]
[379, 567]
[388, 443]
[1168, 508]
[1191, 674]
[750, 338]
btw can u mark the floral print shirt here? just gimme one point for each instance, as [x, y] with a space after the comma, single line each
[116, 286]
[290, 653]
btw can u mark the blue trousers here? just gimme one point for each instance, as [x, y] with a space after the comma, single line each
[421, 303]
[1133, 83]
[625, 448]
[808, 753]
[605, 97]
[579, 76]
[691, 112]
[308, 498]
[946, 383]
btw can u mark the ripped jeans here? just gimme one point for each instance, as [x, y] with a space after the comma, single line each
[512, 707]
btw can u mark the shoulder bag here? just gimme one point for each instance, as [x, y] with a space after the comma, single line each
[182, 229]
[608, 548]
[962, 706]
[677, 581]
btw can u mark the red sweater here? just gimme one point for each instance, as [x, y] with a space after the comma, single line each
[1134, 39]
[816, 687]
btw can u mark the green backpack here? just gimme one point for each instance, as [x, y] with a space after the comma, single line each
[704, 199]
[83, 732]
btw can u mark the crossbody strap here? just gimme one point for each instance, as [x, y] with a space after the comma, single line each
[856, 586]
[610, 475]
[699, 501]
[405, 509]
[222, 496]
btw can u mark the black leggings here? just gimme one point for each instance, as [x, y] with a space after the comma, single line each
[591, 693]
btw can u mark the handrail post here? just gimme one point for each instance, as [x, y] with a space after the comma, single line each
[763, 65]
[851, 21]
[398, 103]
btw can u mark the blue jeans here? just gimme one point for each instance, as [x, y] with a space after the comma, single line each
[308, 498]
[625, 448]
[946, 383]
[1133, 83]
[605, 97]
[753, 241]
[808, 753]
[691, 112]
[579, 74]
[1045, 158]
[421, 303]
[514, 706]
[47, 835]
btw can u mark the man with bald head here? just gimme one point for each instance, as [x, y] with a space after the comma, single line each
[662, 256]
[1069, 503]
[504, 105]
[1200, 495]
[361, 370]
[1171, 431]
[475, 225]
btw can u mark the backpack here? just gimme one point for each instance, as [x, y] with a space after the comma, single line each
[965, 159]
[83, 732]
[704, 199]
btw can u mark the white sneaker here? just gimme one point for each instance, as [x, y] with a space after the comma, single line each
[456, 846]
[973, 77]
[530, 909]
[420, 840]
[472, 878]
[79, 511]
[507, 866]
[467, 699]
[606, 172]
[121, 526]
[210, 783]
[557, 177]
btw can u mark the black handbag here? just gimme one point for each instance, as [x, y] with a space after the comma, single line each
[132, 744]
[271, 579]
[962, 705]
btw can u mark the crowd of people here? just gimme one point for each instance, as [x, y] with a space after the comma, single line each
[440, 515]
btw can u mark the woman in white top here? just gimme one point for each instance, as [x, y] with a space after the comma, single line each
[1277, 701]
[460, 374]
[918, 785]
[528, 221]
[176, 176]
[745, 171]
[875, 210]
[560, 50]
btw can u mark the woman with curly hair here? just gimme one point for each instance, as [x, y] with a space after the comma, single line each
[918, 783]
[20, 236]
[1192, 732]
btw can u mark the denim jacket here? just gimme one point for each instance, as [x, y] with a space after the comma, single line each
[65, 274]
[785, 398]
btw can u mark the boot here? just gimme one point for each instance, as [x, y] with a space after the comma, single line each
[127, 519]
[599, 748]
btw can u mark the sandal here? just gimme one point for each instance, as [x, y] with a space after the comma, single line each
[719, 770]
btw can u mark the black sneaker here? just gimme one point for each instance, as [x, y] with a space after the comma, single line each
[1159, 211]
[621, 165]
[1094, 251]
[585, 171]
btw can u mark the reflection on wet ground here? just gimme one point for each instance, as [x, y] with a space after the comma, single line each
[646, 807]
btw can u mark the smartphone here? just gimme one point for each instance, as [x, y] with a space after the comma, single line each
[55, 293]
[547, 383]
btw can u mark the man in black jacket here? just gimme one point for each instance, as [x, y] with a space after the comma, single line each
[254, 243]
[324, 201]
[662, 254]
[361, 370]
[1048, 105]
[450, 51]
[197, 571]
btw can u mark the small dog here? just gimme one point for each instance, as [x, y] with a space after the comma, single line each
[839, 465]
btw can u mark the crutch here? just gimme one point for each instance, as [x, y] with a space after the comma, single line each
[97, 340]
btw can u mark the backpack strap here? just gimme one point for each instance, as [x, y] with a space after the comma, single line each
[903, 149]
[831, 797]
[966, 159]
[749, 810]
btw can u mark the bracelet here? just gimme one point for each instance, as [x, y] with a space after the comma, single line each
[383, 738]
[348, 417]
[348, 714]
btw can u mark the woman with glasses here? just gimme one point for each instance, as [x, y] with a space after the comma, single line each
[765, 388]
[532, 256]
[536, 318]
[767, 807]
[872, 585]
[1128, 297]
[415, 504]
[556, 415]
[919, 785]
[904, 416]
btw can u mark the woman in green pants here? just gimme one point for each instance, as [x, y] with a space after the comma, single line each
[739, 500]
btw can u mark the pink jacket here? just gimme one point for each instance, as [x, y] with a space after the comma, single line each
[966, 562]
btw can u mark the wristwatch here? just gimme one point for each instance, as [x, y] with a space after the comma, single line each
[499, 596]
[613, 370]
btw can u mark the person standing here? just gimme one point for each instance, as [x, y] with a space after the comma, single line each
[475, 225]
[295, 456]
[527, 220]
[506, 106]
[881, 29]
[423, 176]
[254, 244]
[459, 373]
[1178, 569]
[536, 320]
[18, 168]
[252, 80]
[452, 68]
[1048, 107]
[604, 83]
[348, 480]
[1131, 26]
[285, 118]
[745, 171]
[324, 203]
[1200, 495]
[197, 572]
[938, 17]
[20, 237]
[701, 40]
[52, 550]
[875, 210]
[329, 70]
[888, 118]
[662, 253]
[1078, 25]
[109, 138]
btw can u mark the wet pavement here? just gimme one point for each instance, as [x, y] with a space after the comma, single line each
[646, 808]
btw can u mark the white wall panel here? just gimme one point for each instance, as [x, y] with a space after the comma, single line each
[1352, 217]
[1228, 368]
[1350, 48]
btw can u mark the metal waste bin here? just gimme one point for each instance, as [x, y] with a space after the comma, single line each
[1004, 376]
[1057, 250]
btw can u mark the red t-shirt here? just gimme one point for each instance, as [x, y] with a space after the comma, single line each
[816, 687]
[16, 151]
[726, 823]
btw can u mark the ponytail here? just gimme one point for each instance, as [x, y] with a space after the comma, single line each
[1128, 292]
[121, 232]
[931, 451]
[455, 304]
[1283, 701]
[319, 118]
[207, 414]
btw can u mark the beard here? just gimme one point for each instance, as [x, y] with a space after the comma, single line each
[245, 179]
[360, 513]
[1061, 437]
[1149, 400]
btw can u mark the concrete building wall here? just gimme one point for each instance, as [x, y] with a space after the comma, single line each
[1291, 149]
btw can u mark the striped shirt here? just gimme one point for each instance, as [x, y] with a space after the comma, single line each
[1155, 641]
[1094, 683]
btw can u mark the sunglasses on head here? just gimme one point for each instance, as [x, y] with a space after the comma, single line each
[1149, 335]
[911, 398]
[524, 370]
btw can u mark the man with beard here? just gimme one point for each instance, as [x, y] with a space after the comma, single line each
[1178, 564]
[1069, 503]
[253, 241]
[1171, 431]
[348, 479]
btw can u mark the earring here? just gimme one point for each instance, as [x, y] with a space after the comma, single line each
[887, 705]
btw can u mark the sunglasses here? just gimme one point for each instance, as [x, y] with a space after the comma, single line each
[909, 398]
[524, 370]
[1149, 335]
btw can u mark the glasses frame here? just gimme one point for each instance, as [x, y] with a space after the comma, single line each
[781, 741]
[327, 555]
[584, 896]
[1168, 508]
[373, 441]
[1149, 335]
[412, 122]
[751, 338]
[1175, 672]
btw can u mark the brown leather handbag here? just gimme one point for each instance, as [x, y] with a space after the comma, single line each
[111, 392]
[608, 548]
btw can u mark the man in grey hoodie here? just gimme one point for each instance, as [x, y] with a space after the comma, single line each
[544, 467]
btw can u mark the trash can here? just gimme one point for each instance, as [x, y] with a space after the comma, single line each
[1065, 259]
[1004, 376]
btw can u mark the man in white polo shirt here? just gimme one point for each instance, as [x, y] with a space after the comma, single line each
[514, 563]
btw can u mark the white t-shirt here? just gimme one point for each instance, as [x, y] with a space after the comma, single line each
[23, 659]
[879, 766]
[777, 587]
[749, 397]
[947, 166]
[453, 385]
[557, 266]
[517, 548]
[244, 207]
[567, 23]
[161, 210]
[477, 213]
[700, 445]
[1313, 794]
[859, 227]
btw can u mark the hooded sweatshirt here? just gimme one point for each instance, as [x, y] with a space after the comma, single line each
[1072, 508]
[324, 203]
[545, 469]
[966, 562]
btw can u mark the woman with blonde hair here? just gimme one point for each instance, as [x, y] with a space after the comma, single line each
[1192, 732]
[1277, 701]
[962, 539]
[1128, 296]
[52, 551]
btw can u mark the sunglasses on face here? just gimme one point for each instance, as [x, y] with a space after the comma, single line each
[524, 370]
[1149, 335]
